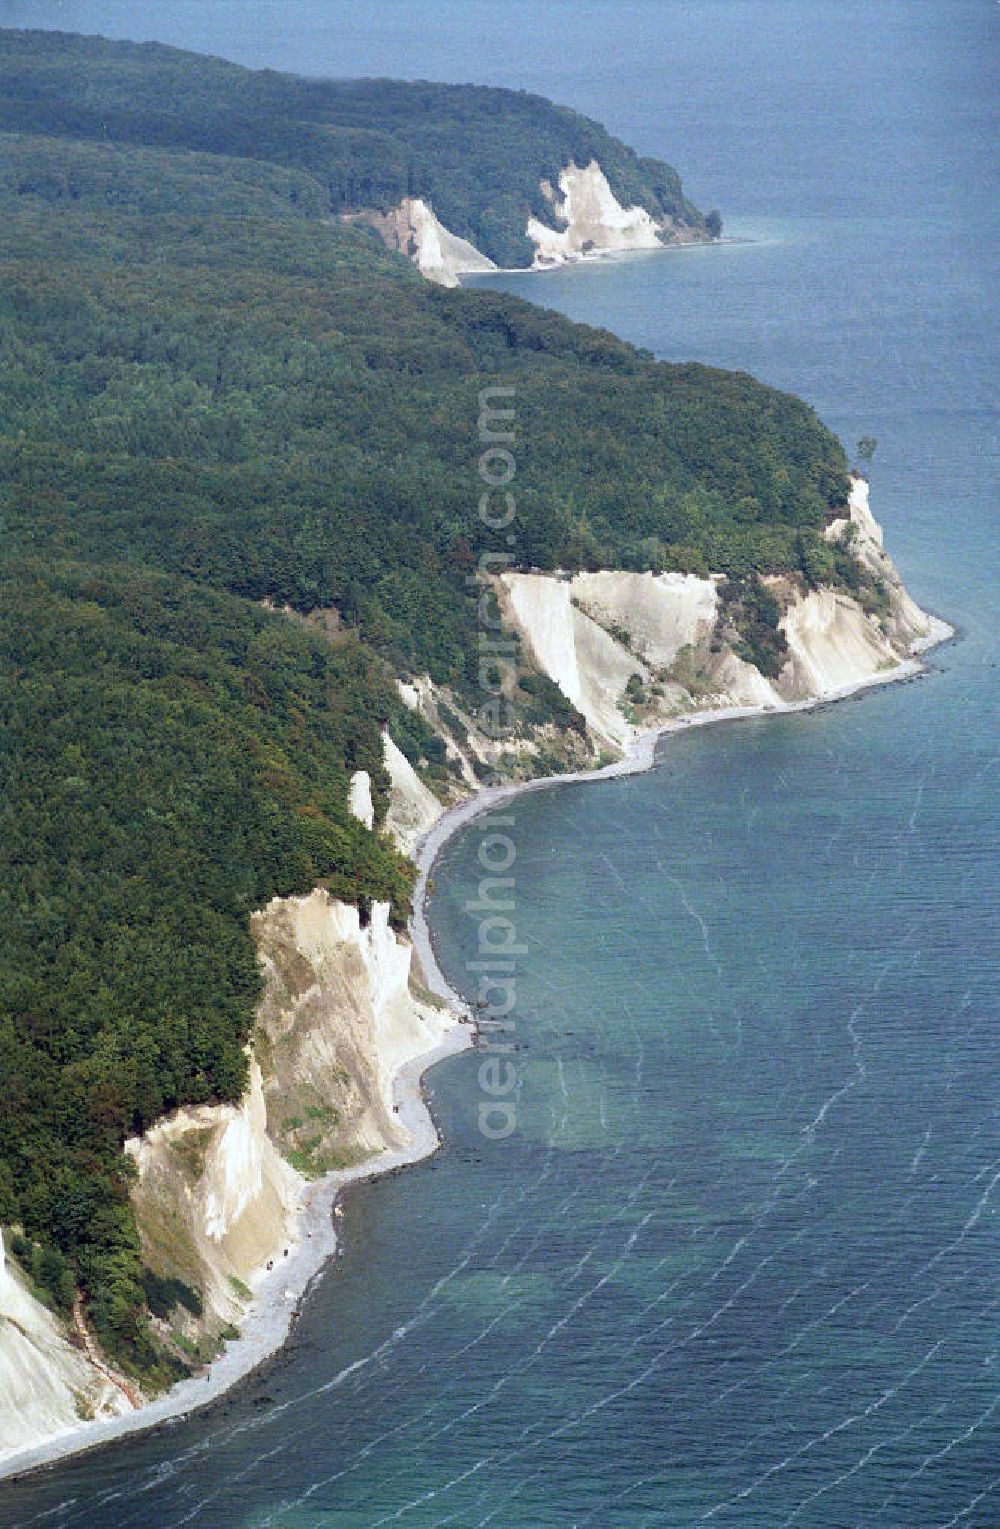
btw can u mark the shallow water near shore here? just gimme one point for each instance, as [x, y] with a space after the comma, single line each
[738, 1262]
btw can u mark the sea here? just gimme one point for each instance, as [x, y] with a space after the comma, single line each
[737, 1261]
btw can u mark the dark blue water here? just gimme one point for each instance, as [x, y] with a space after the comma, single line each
[739, 1262]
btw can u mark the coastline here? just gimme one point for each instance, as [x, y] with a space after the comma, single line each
[640, 756]
[589, 257]
[280, 1293]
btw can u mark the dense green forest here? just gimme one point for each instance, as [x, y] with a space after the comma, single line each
[477, 154]
[211, 399]
[172, 759]
[295, 410]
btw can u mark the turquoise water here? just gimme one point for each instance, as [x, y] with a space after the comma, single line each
[738, 1263]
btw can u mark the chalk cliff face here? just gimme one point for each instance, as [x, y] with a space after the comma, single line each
[590, 667]
[220, 1190]
[47, 1386]
[414, 230]
[591, 218]
[588, 217]
[907, 623]
[359, 798]
[635, 651]
[220, 1187]
[412, 807]
[833, 643]
[665, 612]
[638, 651]
[213, 1197]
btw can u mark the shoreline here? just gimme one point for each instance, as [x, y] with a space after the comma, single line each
[640, 756]
[279, 1295]
[280, 1292]
[586, 257]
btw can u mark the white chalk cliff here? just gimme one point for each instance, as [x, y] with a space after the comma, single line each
[907, 622]
[414, 230]
[213, 1198]
[590, 219]
[359, 798]
[48, 1387]
[595, 632]
[220, 1187]
[590, 667]
[413, 808]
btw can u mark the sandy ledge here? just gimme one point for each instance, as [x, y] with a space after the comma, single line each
[279, 1296]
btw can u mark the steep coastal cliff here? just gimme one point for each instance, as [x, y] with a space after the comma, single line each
[225, 1195]
[413, 230]
[457, 176]
[222, 1192]
[590, 220]
[587, 219]
[48, 1386]
[220, 1189]
[637, 652]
